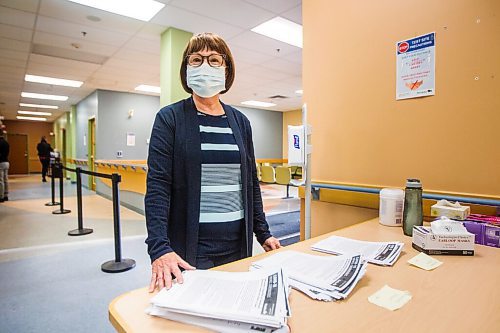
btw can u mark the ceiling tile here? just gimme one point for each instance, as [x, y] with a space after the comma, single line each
[65, 43]
[64, 64]
[248, 56]
[284, 66]
[145, 44]
[25, 5]
[11, 32]
[16, 55]
[294, 14]
[275, 6]
[242, 14]
[77, 14]
[74, 31]
[263, 44]
[14, 45]
[17, 18]
[193, 22]
[12, 63]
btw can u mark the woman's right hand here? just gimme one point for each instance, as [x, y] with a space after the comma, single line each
[164, 267]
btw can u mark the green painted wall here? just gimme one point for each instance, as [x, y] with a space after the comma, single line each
[173, 43]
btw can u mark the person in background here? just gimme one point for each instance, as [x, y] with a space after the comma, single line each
[203, 202]
[4, 168]
[44, 149]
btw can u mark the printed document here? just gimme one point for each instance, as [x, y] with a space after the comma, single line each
[380, 253]
[258, 297]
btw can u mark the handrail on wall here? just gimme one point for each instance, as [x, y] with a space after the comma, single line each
[432, 196]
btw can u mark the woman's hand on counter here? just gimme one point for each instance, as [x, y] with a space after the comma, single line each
[271, 243]
[165, 268]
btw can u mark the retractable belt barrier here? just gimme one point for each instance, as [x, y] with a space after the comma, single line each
[52, 186]
[112, 266]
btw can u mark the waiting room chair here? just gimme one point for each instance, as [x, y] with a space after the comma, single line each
[268, 174]
[284, 177]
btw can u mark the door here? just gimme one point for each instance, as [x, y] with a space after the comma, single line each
[91, 152]
[18, 156]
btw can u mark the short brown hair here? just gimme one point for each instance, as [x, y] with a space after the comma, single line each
[210, 42]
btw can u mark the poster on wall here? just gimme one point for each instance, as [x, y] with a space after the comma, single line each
[130, 139]
[415, 67]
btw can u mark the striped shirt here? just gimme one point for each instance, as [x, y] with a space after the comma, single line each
[221, 203]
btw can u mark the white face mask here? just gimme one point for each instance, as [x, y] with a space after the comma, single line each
[206, 81]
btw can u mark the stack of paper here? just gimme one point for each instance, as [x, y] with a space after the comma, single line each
[320, 277]
[380, 253]
[254, 301]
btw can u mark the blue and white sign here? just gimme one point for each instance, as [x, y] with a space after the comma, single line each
[415, 67]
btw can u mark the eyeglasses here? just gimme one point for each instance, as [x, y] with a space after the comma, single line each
[214, 60]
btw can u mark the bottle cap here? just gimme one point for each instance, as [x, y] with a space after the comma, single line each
[413, 183]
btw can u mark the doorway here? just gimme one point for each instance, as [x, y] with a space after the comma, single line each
[91, 151]
[18, 156]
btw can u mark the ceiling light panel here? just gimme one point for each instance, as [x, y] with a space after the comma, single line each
[44, 96]
[143, 10]
[146, 88]
[39, 106]
[258, 104]
[31, 118]
[281, 29]
[35, 113]
[53, 81]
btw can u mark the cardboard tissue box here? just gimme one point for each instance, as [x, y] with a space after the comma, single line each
[445, 237]
[451, 210]
[485, 233]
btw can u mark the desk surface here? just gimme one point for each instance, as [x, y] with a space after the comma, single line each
[462, 295]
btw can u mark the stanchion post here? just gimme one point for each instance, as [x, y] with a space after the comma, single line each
[119, 264]
[61, 209]
[52, 187]
[81, 230]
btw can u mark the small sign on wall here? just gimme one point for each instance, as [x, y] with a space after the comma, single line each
[415, 67]
[84, 140]
[130, 139]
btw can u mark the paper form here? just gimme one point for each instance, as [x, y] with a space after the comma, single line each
[389, 298]
[424, 261]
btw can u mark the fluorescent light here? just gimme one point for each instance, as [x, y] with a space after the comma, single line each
[31, 118]
[281, 29]
[38, 106]
[146, 88]
[44, 96]
[35, 113]
[300, 91]
[52, 80]
[143, 10]
[258, 103]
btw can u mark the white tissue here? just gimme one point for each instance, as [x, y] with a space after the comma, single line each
[445, 226]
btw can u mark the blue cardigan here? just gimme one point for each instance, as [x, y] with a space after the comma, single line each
[172, 201]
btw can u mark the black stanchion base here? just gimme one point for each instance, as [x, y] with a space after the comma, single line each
[118, 267]
[287, 197]
[80, 232]
[61, 211]
[52, 204]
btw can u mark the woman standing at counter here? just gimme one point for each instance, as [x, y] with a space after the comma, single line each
[203, 200]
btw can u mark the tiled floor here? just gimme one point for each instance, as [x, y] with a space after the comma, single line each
[28, 227]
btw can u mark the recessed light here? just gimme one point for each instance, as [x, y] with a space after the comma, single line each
[146, 88]
[93, 18]
[281, 29]
[35, 113]
[44, 96]
[143, 10]
[258, 103]
[31, 118]
[300, 91]
[39, 106]
[52, 80]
